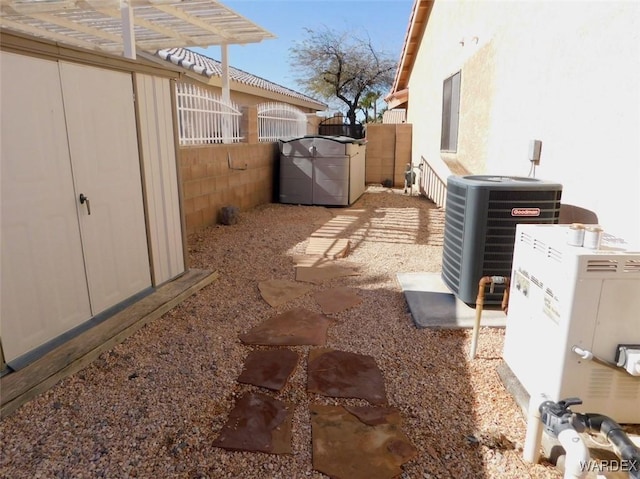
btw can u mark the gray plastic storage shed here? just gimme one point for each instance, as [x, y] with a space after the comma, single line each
[321, 170]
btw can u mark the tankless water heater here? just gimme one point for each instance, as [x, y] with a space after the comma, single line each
[565, 298]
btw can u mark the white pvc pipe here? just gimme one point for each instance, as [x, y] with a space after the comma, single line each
[476, 331]
[533, 438]
[577, 456]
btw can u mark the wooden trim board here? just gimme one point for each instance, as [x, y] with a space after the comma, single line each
[19, 387]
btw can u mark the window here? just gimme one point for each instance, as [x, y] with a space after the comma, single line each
[450, 113]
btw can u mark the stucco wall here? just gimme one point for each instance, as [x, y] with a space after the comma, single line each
[566, 73]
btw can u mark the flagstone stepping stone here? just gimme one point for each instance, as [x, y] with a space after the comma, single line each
[324, 272]
[359, 443]
[328, 247]
[278, 291]
[295, 327]
[257, 423]
[336, 300]
[269, 369]
[346, 375]
[321, 261]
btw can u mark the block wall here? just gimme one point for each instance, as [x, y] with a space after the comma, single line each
[215, 176]
[388, 152]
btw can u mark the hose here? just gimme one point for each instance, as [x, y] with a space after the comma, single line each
[613, 432]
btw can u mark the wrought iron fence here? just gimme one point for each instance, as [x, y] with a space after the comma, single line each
[204, 117]
[279, 120]
[331, 128]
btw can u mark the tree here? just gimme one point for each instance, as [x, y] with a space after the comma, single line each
[338, 65]
[369, 101]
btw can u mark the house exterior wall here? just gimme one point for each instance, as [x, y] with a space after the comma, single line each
[215, 176]
[565, 73]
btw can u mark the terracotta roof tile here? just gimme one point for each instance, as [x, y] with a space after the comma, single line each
[209, 67]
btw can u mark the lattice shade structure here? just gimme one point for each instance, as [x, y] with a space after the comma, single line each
[108, 25]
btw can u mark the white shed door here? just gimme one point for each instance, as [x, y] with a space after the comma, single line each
[43, 286]
[106, 169]
[66, 129]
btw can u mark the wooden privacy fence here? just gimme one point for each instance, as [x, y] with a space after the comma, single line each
[279, 120]
[204, 117]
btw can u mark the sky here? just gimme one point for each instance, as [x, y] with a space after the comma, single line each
[384, 21]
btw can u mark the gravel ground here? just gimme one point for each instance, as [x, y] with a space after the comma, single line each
[152, 406]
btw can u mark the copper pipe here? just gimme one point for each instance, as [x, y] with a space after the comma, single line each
[480, 304]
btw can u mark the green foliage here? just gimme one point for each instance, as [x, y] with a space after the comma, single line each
[336, 65]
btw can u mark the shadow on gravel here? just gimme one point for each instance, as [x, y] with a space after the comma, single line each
[398, 221]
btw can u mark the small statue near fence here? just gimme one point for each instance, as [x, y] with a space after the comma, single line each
[409, 178]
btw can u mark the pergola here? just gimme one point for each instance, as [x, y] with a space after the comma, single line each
[124, 26]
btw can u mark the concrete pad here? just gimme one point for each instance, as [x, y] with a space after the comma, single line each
[432, 304]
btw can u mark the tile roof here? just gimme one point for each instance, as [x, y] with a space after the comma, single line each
[209, 67]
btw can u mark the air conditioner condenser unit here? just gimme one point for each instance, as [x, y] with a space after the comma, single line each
[480, 225]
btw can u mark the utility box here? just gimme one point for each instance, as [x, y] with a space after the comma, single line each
[565, 297]
[321, 170]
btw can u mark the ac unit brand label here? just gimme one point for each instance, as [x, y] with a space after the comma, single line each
[525, 211]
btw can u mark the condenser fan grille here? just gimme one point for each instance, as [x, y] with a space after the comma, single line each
[480, 227]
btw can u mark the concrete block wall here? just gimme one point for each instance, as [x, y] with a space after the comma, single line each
[244, 174]
[402, 152]
[388, 152]
[214, 176]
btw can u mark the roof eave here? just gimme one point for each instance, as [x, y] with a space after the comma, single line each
[415, 30]
[397, 98]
